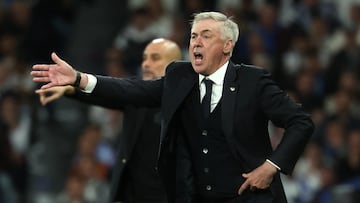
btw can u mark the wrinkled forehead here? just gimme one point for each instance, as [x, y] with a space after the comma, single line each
[205, 25]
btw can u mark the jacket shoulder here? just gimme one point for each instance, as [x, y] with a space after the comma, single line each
[178, 66]
[178, 69]
[253, 72]
[251, 69]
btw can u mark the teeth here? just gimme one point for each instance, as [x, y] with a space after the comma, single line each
[197, 54]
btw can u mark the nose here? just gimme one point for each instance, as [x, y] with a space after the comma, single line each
[145, 63]
[196, 42]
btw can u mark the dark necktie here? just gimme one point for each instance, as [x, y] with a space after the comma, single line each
[207, 98]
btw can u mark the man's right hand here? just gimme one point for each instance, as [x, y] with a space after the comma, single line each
[58, 74]
[53, 93]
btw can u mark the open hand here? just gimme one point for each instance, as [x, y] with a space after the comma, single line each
[58, 74]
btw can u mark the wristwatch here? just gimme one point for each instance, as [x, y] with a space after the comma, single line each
[77, 80]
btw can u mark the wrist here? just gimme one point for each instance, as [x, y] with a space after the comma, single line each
[84, 81]
[81, 80]
[271, 167]
[69, 90]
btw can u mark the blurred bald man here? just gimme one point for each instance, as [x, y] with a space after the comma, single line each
[156, 56]
[134, 178]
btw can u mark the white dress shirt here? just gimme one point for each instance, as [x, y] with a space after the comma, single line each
[218, 81]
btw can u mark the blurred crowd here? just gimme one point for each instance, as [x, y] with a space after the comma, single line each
[65, 152]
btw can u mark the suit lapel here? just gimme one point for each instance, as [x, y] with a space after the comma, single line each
[178, 94]
[184, 88]
[230, 91]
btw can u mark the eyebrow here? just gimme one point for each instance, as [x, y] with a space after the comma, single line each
[155, 55]
[151, 54]
[203, 31]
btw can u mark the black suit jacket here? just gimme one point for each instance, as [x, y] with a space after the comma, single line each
[250, 100]
[134, 118]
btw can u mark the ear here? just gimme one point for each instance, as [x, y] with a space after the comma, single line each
[227, 47]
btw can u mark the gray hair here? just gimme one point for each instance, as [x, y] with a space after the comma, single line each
[229, 29]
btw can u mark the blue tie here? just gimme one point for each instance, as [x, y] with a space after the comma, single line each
[207, 98]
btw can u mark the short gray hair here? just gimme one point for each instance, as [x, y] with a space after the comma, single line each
[229, 29]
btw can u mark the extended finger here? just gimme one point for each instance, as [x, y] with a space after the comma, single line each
[57, 59]
[46, 86]
[40, 91]
[43, 92]
[41, 79]
[43, 67]
[42, 99]
[243, 187]
[39, 73]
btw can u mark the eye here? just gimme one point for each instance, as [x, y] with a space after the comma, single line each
[156, 58]
[207, 36]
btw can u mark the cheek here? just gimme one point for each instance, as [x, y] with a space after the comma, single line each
[215, 51]
[190, 52]
[159, 70]
[191, 46]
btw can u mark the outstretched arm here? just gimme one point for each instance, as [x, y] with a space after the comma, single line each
[58, 74]
[53, 93]
[50, 94]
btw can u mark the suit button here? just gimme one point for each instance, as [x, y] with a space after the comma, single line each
[208, 187]
[206, 170]
[205, 150]
[123, 161]
[204, 132]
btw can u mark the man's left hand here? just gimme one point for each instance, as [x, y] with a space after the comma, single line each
[259, 178]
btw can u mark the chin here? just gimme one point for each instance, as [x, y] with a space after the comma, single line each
[198, 69]
[148, 77]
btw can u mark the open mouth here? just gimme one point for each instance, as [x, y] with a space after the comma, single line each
[198, 57]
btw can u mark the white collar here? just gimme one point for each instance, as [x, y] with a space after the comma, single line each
[218, 76]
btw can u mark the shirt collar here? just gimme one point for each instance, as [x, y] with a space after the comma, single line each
[218, 76]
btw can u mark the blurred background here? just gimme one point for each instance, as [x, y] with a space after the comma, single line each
[67, 149]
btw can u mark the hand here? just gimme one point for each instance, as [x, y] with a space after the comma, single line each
[53, 93]
[58, 74]
[259, 178]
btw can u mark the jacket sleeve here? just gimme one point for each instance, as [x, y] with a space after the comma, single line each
[116, 93]
[287, 114]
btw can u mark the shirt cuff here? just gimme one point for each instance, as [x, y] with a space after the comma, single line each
[92, 80]
[272, 163]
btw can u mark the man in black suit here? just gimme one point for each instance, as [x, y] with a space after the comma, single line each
[135, 179]
[215, 118]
